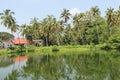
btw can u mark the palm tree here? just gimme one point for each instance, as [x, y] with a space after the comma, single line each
[8, 20]
[96, 14]
[109, 18]
[57, 29]
[35, 27]
[27, 31]
[118, 17]
[79, 25]
[65, 15]
[44, 30]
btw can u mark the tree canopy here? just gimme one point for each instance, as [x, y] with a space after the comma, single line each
[85, 28]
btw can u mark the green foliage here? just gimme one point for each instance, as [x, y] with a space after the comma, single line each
[85, 28]
[106, 47]
[30, 49]
[17, 50]
[114, 41]
[6, 36]
[55, 48]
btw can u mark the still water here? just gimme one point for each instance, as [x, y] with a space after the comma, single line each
[90, 66]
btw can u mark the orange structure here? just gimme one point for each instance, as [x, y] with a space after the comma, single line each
[22, 41]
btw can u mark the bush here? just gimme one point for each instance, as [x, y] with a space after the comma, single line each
[117, 46]
[30, 49]
[114, 41]
[106, 47]
[54, 48]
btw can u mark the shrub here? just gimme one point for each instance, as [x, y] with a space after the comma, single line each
[30, 49]
[54, 48]
[112, 43]
[106, 47]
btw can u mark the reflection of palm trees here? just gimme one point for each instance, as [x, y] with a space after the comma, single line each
[4, 61]
[12, 76]
[82, 66]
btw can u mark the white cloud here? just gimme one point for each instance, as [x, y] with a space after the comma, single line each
[74, 11]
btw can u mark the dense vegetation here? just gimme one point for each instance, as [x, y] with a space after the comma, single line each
[6, 36]
[83, 28]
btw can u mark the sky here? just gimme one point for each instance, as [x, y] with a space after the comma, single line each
[25, 10]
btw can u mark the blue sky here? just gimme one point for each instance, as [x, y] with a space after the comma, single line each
[27, 9]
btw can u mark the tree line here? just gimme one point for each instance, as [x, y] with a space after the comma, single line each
[82, 28]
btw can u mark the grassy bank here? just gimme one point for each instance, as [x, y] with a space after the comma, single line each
[32, 50]
[55, 50]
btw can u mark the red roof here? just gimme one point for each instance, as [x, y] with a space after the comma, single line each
[21, 41]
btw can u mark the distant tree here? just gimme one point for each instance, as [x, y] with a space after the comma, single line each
[27, 31]
[96, 14]
[6, 36]
[8, 20]
[35, 27]
[109, 19]
[65, 15]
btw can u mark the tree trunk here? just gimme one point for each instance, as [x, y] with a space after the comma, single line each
[46, 41]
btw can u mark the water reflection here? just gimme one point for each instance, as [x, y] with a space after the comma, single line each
[10, 67]
[69, 67]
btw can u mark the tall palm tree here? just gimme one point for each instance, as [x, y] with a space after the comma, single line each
[95, 11]
[44, 30]
[65, 15]
[8, 20]
[96, 14]
[118, 17]
[79, 25]
[27, 31]
[35, 27]
[109, 18]
[57, 29]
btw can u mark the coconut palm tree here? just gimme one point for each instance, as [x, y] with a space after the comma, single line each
[79, 25]
[35, 27]
[96, 14]
[118, 17]
[27, 31]
[8, 20]
[57, 29]
[109, 19]
[65, 15]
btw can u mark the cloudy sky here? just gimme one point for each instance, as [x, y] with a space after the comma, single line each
[27, 9]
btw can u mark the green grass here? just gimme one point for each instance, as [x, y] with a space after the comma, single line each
[62, 50]
[75, 49]
[3, 51]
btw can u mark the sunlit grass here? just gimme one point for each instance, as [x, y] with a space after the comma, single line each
[62, 50]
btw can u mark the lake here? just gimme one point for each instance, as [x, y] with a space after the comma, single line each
[91, 65]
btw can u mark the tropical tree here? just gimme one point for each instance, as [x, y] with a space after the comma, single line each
[8, 20]
[51, 29]
[35, 27]
[27, 31]
[79, 25]
[117, 17]
[109, 19]
[65, 15]
[6, 36]
[57, 30]
[96, 14]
